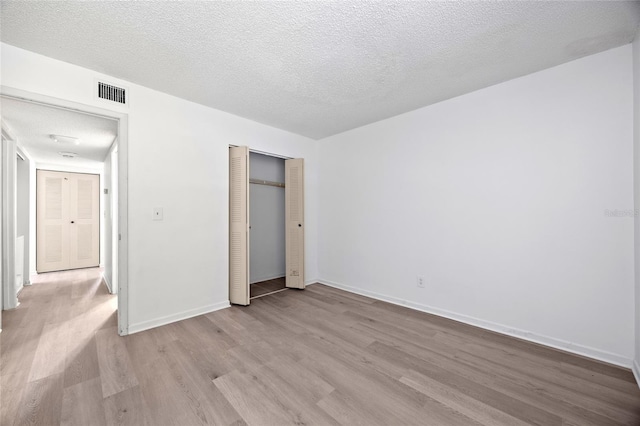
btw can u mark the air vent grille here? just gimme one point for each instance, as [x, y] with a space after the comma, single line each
[112, 93]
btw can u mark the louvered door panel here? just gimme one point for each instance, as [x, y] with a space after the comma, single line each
[294, 212]
[84, 219]
[52, 248]
[239, 225]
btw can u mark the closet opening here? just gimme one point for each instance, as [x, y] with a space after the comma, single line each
[267, 225]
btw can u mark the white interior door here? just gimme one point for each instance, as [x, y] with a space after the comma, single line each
[68, 221]
[294, 212]
[239, 225]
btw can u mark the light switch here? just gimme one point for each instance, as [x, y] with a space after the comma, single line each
[157, 213]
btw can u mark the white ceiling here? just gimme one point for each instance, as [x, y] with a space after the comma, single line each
[32, 124]
[318, 68]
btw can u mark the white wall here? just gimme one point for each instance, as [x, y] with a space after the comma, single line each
[498, 199]
[267, 217]
[178, 160]
[636, 180]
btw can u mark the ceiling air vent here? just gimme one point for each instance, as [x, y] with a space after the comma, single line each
[112, 93]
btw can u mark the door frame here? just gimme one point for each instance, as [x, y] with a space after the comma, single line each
[9, 222]
[29, 246]
[2, 166]
[123, 185]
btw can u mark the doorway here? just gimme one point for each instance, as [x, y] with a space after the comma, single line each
[266, 232]
[67, 220]
[109, 180]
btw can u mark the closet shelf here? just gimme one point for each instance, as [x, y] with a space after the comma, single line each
[266, 182]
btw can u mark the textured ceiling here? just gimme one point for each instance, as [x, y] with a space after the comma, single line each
[318, 68]
[32, 124]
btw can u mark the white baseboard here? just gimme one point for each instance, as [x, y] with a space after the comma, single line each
[107, 283]
[636, 371]
[267, 278]
[11, 309]
[157, 322]
[553, 342]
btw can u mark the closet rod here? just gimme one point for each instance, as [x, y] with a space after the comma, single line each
[266, 182]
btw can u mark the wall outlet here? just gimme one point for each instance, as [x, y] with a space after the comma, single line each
[420, 282]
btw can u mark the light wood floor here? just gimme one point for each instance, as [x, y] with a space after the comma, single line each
[318, 356]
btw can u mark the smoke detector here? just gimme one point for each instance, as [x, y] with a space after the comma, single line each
[68, 140]
[67, 154]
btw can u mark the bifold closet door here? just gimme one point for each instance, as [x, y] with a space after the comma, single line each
[239, 225]
[294, 219]
[67, 221]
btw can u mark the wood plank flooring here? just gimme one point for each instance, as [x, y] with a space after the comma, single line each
[266, 287]
[319, 356]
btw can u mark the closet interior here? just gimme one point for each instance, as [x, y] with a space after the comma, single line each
[267, 237]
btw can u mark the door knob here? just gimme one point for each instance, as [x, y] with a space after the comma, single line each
[300, 225]
[72, 221]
